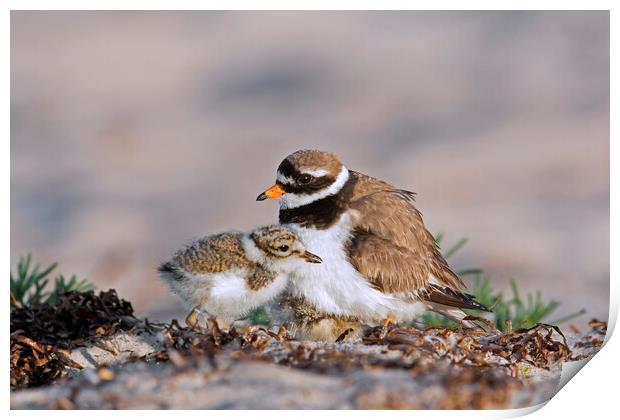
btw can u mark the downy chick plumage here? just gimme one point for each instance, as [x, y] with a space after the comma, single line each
[229, 274]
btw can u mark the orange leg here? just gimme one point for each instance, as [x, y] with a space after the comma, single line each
[191, 320]
[391, 319]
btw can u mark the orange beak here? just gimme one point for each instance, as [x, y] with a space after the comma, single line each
[274, 192]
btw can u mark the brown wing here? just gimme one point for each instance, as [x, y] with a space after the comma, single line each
[392, 248]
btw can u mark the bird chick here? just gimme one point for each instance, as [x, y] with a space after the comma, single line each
[229, 274]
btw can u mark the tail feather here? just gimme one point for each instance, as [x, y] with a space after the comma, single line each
[170, 270]
[447, 296]
[450, 303]
[458, 315]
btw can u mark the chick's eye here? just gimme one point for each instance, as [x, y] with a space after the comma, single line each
[284, 248]
[305, 178]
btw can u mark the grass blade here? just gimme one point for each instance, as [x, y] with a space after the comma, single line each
[460, 244]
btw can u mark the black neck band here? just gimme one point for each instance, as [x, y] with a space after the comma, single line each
[322, 213]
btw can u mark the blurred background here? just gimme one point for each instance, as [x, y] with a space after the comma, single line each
[132, 132]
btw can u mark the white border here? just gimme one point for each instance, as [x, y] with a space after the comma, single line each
[594, 391]
[308, 5]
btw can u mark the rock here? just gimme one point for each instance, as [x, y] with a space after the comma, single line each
[119, 348]
[260, 385]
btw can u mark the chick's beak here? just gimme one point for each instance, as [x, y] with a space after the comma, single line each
[274, 192]
[311, 258]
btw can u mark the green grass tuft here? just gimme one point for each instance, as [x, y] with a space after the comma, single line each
[522, 313]
[29, 284]
[259, 316]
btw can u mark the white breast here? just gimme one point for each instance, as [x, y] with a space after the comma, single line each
[335, 286]
[225, 295]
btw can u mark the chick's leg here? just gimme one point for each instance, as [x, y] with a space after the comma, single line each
[391, 319]
[191, 320]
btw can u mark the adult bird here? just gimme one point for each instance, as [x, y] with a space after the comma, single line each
[380, 263]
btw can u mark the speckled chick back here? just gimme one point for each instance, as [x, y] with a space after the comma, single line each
[213, 254]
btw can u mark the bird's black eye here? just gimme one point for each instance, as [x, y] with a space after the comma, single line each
[284, 248]
[305, 178]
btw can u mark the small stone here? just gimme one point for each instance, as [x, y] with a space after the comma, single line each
[105, 374]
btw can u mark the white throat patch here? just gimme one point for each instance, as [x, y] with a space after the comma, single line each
[291, 201]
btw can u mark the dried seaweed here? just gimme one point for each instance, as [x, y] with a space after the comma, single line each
[542, 346]
[41, 336]
[473, 369]
[594, 339]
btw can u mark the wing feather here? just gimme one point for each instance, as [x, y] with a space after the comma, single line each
[391, 247]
